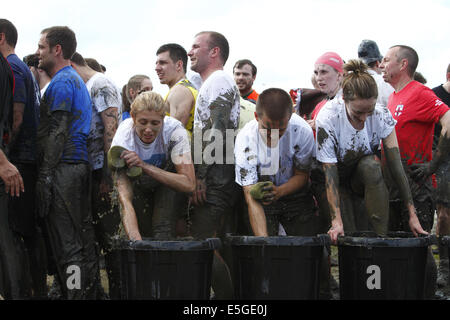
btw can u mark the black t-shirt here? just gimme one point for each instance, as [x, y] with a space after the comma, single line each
[6, 102]
[442, 94]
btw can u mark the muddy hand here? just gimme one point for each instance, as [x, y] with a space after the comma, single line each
[199, 195]
[132, 159]
[420, 172]
[416, 228]
[335, 231]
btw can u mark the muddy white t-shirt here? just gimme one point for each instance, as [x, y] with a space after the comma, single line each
[339, 142]
[255, 159]
[171, 140]
[104, 95]
[219, 90]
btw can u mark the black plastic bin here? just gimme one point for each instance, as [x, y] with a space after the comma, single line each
[375, 268]
[276, 267]
[164, 270]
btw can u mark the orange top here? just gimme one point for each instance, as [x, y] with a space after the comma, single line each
[252, 96]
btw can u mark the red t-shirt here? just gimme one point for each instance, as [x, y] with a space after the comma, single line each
[416, 109]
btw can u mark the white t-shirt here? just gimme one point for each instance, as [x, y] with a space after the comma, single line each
[255, 159]
[171, 140]
[104, 95]
[219, 89]
[384, 88]
[339, 142]
[247, 112]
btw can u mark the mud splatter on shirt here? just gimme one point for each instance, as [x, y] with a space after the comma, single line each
[104, 94]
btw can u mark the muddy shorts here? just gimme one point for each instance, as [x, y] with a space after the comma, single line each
[443, 184]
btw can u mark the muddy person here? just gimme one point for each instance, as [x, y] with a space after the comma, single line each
[106, 106]
[287, 199]
[171, 67]
[443, 191]
[22, 215]
[349, 130]
[216, 111]
[159, 146]
[136, 84]
[63, 167]
[244, 72]
[11, 185]
[416, 109]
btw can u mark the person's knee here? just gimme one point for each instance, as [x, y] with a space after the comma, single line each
[369, 169]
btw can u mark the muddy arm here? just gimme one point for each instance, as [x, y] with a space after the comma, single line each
[443, 147]
[109, 119]
[53, 150]
[332, 188]
[392, 153]
[18, 111]
[256, 214]
[128, 215]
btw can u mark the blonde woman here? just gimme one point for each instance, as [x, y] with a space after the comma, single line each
[159, 145]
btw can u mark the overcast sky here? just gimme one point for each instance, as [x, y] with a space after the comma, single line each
[283, 38]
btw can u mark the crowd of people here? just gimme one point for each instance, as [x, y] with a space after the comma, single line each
[83, 161]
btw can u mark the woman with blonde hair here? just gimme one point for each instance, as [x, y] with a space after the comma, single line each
[158, 146]
[349, 130]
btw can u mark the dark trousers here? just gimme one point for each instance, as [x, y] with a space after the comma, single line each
[71, 232]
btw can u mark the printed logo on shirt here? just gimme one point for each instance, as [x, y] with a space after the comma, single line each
[398, 110]
[438, 103]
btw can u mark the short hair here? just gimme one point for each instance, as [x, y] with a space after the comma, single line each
[419, 78]
[135, 83]
[176, 52]
[31, 60]
[93, 64]
[63, 36]
[103, 68]
[448, 68]
[10, 32]
[217, 39]
[409, 54]
[275, 103]
[357, 82]
[78, 59]
[148, 101]
[240, 63]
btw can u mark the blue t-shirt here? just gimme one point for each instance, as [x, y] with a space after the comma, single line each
[67, 92]
[27, 92]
